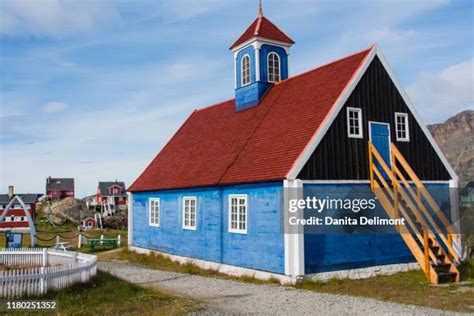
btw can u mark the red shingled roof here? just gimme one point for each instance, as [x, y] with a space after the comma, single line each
[219, 146]
[262, 27]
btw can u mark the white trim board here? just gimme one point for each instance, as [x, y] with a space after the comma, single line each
[258, 41]
[366, 181]
[294, 243]
[130, 217]
[335, 181]
[339, 104]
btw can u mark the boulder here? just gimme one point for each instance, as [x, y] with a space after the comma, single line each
[117, 221]
[68, 210]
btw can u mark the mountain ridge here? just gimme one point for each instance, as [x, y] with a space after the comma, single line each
[455, 137]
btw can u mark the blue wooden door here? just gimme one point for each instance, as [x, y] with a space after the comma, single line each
[380, 138]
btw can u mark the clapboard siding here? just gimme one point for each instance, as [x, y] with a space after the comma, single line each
[341, 158]
[261, 248]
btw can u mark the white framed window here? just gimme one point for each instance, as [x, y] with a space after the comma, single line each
[245, 70]
[154, 212]
[273, 67]
[189, 212]
[402, 131]
[116, 191]
[238, 213]
[354, 122]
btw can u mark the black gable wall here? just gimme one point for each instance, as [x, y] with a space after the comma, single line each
[339, 157]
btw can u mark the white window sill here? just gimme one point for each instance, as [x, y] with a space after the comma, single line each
[241, 232]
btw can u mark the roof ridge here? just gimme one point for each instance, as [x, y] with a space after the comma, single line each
[259, 23]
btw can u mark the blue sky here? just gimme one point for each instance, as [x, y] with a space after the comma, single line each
[94, 89]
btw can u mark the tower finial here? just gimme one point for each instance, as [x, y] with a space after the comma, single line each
[260, 10]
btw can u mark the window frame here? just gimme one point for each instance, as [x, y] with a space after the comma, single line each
[242, 70]
[405, 123]
[229, 222]
[268, 67]
[189, 227]
[150, 223]
[359, 120]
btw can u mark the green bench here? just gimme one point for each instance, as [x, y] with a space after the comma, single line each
[102, 242]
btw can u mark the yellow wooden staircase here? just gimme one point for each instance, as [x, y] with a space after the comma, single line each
[427, 231]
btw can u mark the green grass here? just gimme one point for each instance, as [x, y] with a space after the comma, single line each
[108, 295]
[467, 270]
[404, 287]
[160, 262]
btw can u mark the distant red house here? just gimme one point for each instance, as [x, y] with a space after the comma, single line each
[59, 188]
[16, 217]
[113, 194]
[89, 223]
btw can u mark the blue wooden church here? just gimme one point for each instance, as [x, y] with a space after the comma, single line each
[217, 193]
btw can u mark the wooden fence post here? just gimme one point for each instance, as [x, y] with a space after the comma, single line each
[79, 241]
[119, 239]
[45, 257]
[101, 237]
[57, 239]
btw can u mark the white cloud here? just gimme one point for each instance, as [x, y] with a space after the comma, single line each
[55, 18]
[54, 107]
[447, 92]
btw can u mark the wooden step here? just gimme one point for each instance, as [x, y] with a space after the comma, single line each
[447, 277]
[435, 249]
[442, 267]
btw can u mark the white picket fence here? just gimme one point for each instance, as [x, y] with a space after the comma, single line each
[37, 270]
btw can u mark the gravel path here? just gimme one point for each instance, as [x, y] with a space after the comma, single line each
[226, 296]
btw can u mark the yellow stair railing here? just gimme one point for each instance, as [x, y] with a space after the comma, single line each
[431, 246]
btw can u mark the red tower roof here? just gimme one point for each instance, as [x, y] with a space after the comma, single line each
[263, 27]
